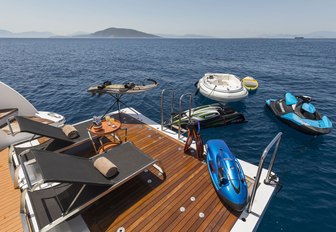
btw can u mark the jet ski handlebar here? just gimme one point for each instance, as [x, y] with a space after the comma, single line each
[305, 98]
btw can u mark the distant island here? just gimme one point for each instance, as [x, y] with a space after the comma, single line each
[27, 34]
[113, 32]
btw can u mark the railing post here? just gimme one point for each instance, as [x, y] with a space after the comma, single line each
[180, 111]
[162, 100]
[267, 179]
[255, 185]
[172, 110]
[171, 107]
[276, 140]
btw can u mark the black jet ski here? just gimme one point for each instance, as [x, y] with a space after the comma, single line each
[210, 116]
[299, 113]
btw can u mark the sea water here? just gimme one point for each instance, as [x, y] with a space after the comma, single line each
[54, 75]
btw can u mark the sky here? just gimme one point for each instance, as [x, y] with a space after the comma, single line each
[218, 18]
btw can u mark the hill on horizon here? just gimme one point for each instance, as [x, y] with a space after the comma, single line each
[111, 32]
[114, 32]
[27, 34]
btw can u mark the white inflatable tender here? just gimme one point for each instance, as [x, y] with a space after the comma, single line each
[222, 87]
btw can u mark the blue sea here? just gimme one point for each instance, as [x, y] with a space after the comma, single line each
[54, 75]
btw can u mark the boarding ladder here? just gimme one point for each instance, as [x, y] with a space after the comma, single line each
[270, 178]
[172, 114]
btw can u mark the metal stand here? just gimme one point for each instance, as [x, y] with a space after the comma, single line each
[117, 101]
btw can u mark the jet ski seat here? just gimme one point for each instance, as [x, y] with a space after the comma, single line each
[291, 100]
[308, 107]
[309, 112]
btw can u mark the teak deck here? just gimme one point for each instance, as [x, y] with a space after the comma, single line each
[9, 198]
[184, 201]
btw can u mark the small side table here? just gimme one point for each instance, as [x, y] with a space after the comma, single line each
[106, 129]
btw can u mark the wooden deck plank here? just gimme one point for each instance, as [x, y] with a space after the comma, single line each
[10, 198]
[151, 200]
[174, 216]
[194, 208]
[11, 224]
[159, 211]
[8, 207]
[208, 223]
[140, 206]
[205, 209]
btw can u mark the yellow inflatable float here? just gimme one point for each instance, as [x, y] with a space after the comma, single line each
[250, 83]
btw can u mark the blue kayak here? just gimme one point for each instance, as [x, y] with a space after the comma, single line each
[299, 113]
[227, 175]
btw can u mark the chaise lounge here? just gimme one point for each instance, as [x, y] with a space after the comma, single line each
[80, 182]
[37, 128]
[58, 139]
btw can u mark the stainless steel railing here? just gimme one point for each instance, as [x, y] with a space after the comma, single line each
[276, 141]
[180, 111]
[171, 105]
[172, 109]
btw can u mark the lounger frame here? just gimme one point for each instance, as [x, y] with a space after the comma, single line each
[68, 213]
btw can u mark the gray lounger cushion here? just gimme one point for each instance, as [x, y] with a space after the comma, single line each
[73, 172]
[64, 168]
[31, 126]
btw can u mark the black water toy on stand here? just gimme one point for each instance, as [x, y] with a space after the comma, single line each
[117, 91]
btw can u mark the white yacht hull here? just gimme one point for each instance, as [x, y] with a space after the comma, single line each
[11, 99]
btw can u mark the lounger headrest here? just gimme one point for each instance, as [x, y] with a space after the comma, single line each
[70, 131]
[105, 167]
